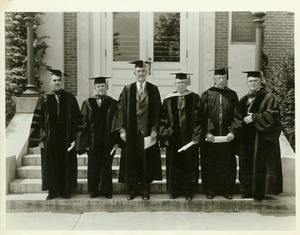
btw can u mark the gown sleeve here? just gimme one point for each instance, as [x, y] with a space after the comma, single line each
[236, 123]
[165, 129]
[267, 117]
[198, 121]
[119, 119]
[82, 143]
[207, 123]
[37, 132]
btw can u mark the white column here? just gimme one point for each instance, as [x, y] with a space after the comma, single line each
[194, 59]
[206, 49]
[83, 56]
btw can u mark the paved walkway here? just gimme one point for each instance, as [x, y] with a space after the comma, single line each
[188, 221]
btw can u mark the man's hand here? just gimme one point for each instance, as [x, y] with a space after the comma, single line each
[248, 118]
[230, 136]
[153, 135]
[41, 145]
[71, 146]
[210, 137]
[123, 135]
[114, 149]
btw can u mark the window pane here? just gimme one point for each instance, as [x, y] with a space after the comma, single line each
[126, 39]
[167, 37]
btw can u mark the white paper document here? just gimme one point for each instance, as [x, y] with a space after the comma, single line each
[113, 151]
[148, 142]
[219, 139]
[185, 147]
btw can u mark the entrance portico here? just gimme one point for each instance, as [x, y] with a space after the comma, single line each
[97, 47]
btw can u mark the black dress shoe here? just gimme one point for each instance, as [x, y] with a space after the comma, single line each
[258, 198]
[108, 196]
[50, 197]
[146, 197]
[189, 197]
[130, 197]
[66, 196]
[51, 194]
[93, 195]
[228, 196]
[247, 195]
[210, 196]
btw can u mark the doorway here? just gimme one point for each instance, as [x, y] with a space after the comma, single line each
[159, 37]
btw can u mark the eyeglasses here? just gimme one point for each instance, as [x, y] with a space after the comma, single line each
[253, 81]
[220, 77]
[180, 83]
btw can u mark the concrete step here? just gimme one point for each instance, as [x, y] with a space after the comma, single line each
[34, 186]
[37, 150]
[82, 160]
[80, 203]
[34, 172]
[34, 159]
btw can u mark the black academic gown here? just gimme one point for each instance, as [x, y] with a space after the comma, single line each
[138, 165]
[54, 129]
[260, 160]
[95, 138]
[178, 127]
[218, 161]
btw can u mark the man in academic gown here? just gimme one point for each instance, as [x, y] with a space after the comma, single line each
[180, 125]
[54, 128]
[95, 138]
[260, 160]
[138, 117]
[222, 122]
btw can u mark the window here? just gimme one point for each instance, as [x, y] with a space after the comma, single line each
[166, 37]
[126, 36]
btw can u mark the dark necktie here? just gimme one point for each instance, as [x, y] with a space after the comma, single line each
[99, 101]
[221, 115]
[251, 95]
[180, 102]
[140, 92]
[57, 100]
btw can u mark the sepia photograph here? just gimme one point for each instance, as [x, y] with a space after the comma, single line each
[130, 119]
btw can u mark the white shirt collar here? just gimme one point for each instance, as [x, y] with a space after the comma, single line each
[253, 92]
[219, 88]
[143, 85]
[177, 94]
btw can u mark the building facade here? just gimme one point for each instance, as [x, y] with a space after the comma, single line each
[90, 44]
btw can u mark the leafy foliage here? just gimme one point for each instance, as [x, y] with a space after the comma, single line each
[16, 56]
[281, 82]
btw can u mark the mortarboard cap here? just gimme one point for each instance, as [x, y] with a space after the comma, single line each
[221, 71]
[140, 63]
[181, 75]
[257, 74]
[98, 80]
[58, 72]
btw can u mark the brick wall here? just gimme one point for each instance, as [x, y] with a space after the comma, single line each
[70, 51]
[221, 39]
[278, 36]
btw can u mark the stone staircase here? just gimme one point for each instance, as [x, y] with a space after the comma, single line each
[26, 195]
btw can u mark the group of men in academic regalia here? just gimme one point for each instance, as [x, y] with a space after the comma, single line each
[207, 131]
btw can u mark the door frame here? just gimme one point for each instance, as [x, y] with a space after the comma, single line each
[93, 56]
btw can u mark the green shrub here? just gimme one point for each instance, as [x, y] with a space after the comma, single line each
[16, 56]
[281, 81]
